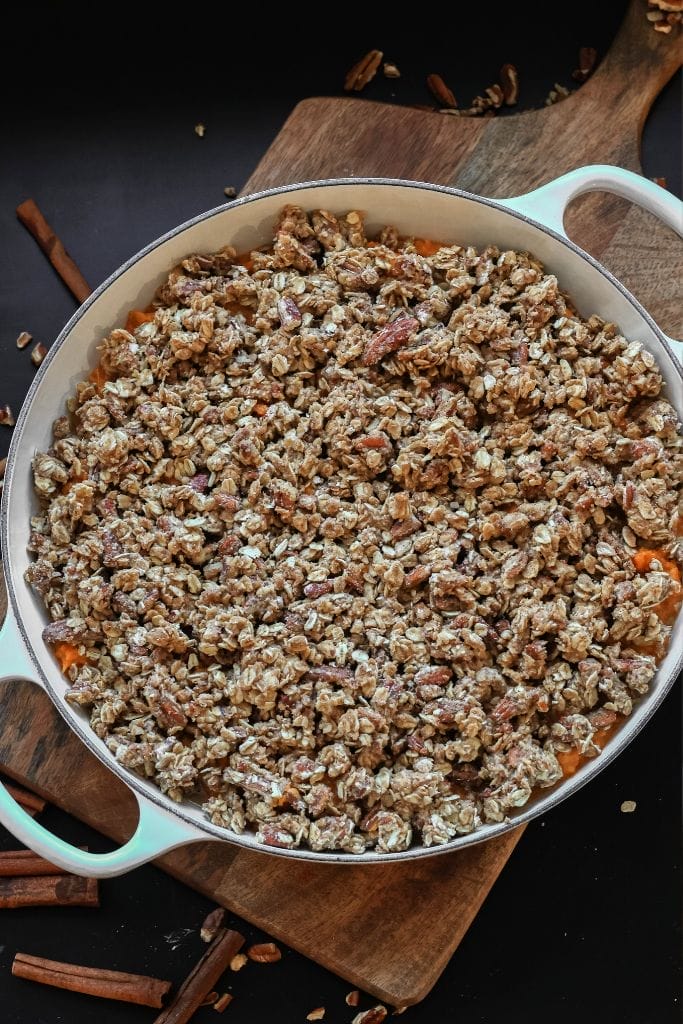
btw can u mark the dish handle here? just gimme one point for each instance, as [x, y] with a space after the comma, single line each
[548, 204]
[157, 832]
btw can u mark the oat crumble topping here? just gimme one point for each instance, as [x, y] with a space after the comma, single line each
[342, 537]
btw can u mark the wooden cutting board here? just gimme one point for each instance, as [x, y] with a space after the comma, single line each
[390, 930]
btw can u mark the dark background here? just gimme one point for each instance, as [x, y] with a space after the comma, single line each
[97, 126]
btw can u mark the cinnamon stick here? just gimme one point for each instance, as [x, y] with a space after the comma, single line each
[14, 863]
[29, 801]
[34, 221]
[48, 891]
[202, 978]
[92, 981]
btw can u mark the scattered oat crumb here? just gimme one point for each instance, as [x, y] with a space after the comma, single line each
[200, 129]
[24, 339]
[223, 1002]
[399, 1010]
[316, 1014]
[353, 997]
[628, 806]
[209, 999]
[391, 71]
[661, 182]
[230, 191]
[238, 962]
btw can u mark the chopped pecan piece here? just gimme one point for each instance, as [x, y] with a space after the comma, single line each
[417, 576]
[264, 953]
[313, 590]
[390, 338]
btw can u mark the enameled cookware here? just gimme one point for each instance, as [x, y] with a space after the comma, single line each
[532, 222]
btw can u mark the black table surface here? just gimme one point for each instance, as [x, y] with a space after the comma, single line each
[98, 127]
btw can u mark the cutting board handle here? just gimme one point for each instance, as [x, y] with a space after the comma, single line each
[634, 70]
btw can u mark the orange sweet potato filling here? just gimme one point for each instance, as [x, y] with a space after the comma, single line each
[67, 655]
[668, 609]
[74, 480]
[571, 760]
[426, 246]
[245, 259]
[137, 317]
[98, 377]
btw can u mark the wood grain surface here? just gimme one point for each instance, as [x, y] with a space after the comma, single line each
[499, 157]
[390, 930]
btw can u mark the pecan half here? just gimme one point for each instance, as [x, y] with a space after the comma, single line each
[509, 80]
[363, 72]
[440, 91]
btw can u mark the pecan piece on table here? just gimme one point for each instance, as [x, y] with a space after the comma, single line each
[440, 91]
[264, 953]
[509, 80]
[363, 72]
[588, 55]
